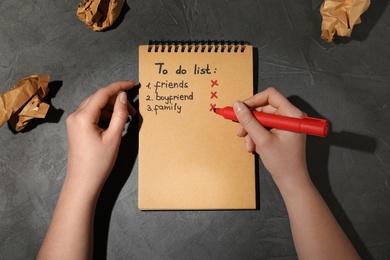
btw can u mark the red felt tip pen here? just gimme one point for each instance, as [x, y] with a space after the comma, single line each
[305, 125]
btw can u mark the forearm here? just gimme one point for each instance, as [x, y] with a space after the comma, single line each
[71, 229]
[316, 233]
[92, 152]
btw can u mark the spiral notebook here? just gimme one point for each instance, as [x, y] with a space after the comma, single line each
[189, 157]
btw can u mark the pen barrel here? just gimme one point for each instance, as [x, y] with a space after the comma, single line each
[306, 125]
[319, 128]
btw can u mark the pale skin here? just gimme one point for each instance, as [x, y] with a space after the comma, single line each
[316, 233]
[92, 152]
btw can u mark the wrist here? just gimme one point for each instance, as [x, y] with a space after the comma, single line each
[294, 182]
[80, 189]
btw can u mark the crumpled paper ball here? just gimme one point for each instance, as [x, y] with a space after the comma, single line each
[24, 102]
[99, 14]
[340, 16]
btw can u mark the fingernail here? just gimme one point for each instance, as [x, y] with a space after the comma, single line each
[239, 130]
[132, 111]
[247, 146]
[237, 106]
[123, 98]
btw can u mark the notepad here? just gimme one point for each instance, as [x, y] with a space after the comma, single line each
[189, 157]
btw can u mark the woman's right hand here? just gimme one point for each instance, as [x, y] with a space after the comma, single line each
[282, 152]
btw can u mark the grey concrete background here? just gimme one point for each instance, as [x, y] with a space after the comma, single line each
[346, 81]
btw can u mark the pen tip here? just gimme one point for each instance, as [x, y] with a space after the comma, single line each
[214, 109]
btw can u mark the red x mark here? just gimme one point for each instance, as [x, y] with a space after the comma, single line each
[214, 95]
[212, 107]
[214, 83]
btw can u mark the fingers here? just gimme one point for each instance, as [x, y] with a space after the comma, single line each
[241, 131]
[101, 98]
[106, 112]
[119, 116]
[254, 129]
[132, 111]
[249, 144]
[268, 101]
[84, 103]
[272, 101]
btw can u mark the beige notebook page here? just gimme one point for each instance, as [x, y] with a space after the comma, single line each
[190, 157]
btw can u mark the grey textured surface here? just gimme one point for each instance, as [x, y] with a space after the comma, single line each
[346, 82]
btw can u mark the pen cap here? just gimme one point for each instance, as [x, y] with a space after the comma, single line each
[314, 126]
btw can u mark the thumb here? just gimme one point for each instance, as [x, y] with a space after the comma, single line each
[119, 115]
[249, 122]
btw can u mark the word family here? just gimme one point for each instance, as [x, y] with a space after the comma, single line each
[156, 108]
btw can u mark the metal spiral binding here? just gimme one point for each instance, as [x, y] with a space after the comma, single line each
[197, 46]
